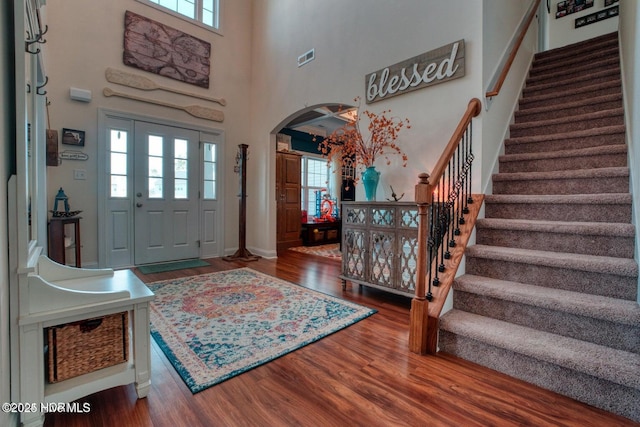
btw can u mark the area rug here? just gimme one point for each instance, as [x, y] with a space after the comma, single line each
[215, 326]
[170, 266]
[331, 250]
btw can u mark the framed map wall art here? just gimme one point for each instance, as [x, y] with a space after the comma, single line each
[160, 49]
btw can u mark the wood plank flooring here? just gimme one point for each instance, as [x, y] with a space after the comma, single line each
[363, 375]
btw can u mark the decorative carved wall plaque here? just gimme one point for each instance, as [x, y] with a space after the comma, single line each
[160, 49]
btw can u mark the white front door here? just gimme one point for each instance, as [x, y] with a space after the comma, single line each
[160, 190]
[165, 190]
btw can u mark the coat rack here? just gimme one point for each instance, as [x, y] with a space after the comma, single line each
[242, 254]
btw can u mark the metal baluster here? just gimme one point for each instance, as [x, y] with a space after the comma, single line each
[470, 160]
[431, 243]
[459, 189]
[465, 173]
[447, 203]
[451, 214]
[442, 232]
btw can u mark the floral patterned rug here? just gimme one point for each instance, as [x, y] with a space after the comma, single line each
[331, 250]
[214, 326]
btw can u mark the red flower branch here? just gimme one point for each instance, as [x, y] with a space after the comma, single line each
[348, 142]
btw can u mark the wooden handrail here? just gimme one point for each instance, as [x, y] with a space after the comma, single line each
[512, 56]
[473, 109]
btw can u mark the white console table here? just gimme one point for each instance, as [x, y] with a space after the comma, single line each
[59, 294]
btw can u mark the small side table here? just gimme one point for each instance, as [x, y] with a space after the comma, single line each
[57, 250]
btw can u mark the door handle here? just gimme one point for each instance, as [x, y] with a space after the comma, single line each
[139, 205]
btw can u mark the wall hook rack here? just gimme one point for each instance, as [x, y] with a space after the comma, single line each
[28, 43]
[38, 92]
[37, 38]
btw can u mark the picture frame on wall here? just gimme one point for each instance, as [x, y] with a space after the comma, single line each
[283, 142]
[567, 7]
[73, 137]
[596, 17]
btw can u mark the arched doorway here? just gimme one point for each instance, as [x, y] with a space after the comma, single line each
[306, 189]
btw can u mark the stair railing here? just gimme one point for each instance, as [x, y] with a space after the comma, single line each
[443, 199]
[512, 55]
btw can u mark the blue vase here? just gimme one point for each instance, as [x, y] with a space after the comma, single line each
[370, 178]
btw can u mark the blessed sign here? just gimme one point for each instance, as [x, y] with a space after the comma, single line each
[437, 66]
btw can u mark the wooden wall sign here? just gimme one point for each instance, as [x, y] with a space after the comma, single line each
[159, 49]
[433, 67]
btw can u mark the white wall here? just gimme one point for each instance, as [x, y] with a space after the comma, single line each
[6, 136]
[630, 60]
[350, 43]
[85, 37]
[502, 21]
[562, 31]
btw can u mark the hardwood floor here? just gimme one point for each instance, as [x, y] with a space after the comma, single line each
[363, 375]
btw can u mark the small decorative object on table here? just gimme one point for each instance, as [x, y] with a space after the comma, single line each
[394, 196]
[348, 144]
[66, 213]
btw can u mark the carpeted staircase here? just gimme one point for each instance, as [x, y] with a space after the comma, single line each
[550, 290]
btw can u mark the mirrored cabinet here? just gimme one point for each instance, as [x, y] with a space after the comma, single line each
[380, 245]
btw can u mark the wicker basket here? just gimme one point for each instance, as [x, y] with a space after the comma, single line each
[317, 235]
[81, 347]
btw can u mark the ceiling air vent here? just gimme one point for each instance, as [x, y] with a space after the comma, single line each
[306, 57]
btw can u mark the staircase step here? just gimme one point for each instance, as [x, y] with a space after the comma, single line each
[541, 88]
[609, 207]
[588, 238]
[592, 318]
[550, 290]
[574, 61]
[600, 376]
[586, 158]
[582, 92]
[581, 121]
[569, 74]
[597, 275]
[608, 135]
[606, 40]
[581, 181]
[570, 109]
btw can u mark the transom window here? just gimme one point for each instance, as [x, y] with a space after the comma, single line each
[205, 12]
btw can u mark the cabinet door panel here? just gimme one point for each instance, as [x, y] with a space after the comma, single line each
[354, 254]
[382, 254]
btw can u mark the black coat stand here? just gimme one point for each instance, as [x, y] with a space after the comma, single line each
[242, 254]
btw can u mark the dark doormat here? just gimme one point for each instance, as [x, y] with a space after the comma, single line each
[170, 266]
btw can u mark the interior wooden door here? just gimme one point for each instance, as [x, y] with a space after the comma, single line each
[288, 190]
